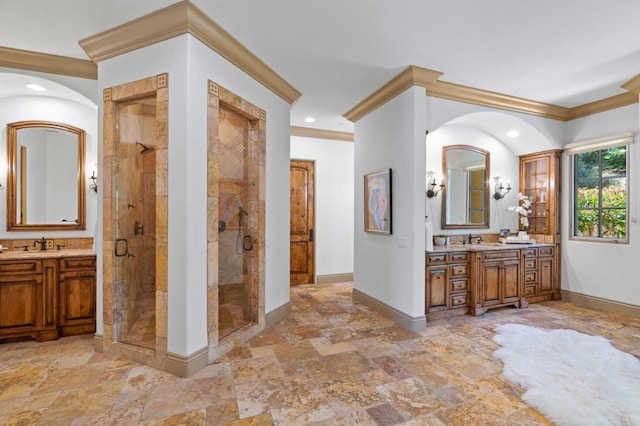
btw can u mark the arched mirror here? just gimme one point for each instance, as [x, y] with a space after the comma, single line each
[465, 198]
[45, 176]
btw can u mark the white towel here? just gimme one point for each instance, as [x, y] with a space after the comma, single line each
[428, 236]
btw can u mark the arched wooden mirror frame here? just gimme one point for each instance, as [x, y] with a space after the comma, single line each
[13, 224]
[482, 191]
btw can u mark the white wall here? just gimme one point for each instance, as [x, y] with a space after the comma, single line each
[43, 108]
[390, 268]
[84, 88]
[503, 163]
[603, 270]
[190, 64]
[334, 192]
[536, 133]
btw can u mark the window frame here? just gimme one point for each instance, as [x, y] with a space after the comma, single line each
[573, 150]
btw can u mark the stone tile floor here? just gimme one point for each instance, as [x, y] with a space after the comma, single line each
[332, 362]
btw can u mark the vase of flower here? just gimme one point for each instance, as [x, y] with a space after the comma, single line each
[522, 227]
[523, 209]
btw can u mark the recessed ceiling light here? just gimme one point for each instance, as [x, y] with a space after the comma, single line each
[34, 86]
[513, 133]
[309, 120]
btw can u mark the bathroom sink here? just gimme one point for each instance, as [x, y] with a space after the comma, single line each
[482, 244]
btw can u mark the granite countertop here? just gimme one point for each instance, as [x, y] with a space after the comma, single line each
[484, 247]
[46, 254]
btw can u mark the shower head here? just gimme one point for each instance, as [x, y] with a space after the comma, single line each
[145, 149]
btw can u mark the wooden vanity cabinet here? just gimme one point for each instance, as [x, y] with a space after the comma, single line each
[540, 274]
[27, 299]
[447, 284]
[77, 296]
[47, 298]
[499, 281]
[540, 181]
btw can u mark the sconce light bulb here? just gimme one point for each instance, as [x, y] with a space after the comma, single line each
[500, 190]
[432, 178]
[93, 185]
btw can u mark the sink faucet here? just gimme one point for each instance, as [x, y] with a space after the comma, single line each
[478, 238]
[42, 242]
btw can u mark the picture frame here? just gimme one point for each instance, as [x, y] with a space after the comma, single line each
[377, 202]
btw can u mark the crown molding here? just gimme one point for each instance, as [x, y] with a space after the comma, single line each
[308, 132]
[155, 27]
[423, 77]
[633, 85]
[44, 62]
[606, 104]
[456, 92]
[185, 18]
[410, 76]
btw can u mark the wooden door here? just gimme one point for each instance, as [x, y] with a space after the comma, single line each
[77, 302]
[436, 277]
[301, 265]
[491, 283]
[546, 275]
[21, 305]
[510, 281]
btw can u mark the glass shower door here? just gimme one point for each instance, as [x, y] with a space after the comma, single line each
[237, 222]
[134, 180]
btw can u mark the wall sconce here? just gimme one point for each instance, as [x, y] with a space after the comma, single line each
[93, 185]
[431, 185]
[500, 190]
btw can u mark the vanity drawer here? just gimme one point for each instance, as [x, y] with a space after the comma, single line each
[436, 258]
[531, 252]
[530, 264]
[27, 266]
[459, 285]
[458, 300]
[530, 277]
[459, 270]
[77, 263]
[546, 251]
[530, 290]
[501, 254]
[459, 257]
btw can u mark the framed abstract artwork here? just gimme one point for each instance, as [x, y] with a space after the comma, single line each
[377, 202]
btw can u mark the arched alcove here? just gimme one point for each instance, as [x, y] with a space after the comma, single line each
[490, 131]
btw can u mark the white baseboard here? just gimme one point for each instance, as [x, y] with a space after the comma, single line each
[400, 318]
[601, 304]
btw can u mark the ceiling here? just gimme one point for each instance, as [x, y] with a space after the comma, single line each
[338, 52]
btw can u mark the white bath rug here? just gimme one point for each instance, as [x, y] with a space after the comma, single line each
[571, 377]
